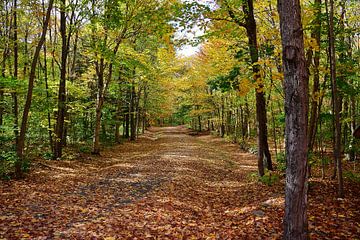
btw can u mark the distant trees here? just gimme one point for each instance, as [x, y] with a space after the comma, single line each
[99, 55]
[106, 69]
[251, 30]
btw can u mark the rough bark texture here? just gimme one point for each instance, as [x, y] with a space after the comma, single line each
[21, 140]
[296, 110]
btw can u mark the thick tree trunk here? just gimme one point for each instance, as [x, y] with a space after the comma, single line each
[296, 112]
[21, 140]
[61, 111]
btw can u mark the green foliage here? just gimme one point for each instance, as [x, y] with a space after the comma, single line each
[7, 163]
[352, 146]
[227, 82]
[48, 155]
[268, 179]
[85, 149]
[281, 161]
[355, 177]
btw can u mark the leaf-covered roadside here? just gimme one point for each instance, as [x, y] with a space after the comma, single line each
[168, 185]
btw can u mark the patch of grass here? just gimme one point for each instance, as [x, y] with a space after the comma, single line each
[268, 179]
[355, 177]
[85, 149]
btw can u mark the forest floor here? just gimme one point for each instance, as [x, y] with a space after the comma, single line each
[166, 185]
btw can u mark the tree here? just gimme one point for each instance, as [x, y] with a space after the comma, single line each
[61, 111]
[335, 100]
[21, 140]
[314, 111]
[250, 25]
[296, 114]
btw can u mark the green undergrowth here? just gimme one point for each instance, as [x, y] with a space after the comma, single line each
[270, 178]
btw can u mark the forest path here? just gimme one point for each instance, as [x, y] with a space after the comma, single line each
[166, 185]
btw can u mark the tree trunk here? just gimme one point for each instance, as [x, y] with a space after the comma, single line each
[47, 100]
[316, 33]
[16, 67]
[144, 110]
[21, 140]
[132, 113]
[61, 111]
[222, 126]
[118, 113]
[127, 117]
[99, 104]
[296, 112]
[138, 114]
[263, 148]
[336, 101]
[5, 52]
[353, 126]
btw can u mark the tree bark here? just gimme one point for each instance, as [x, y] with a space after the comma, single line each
[296, 112]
